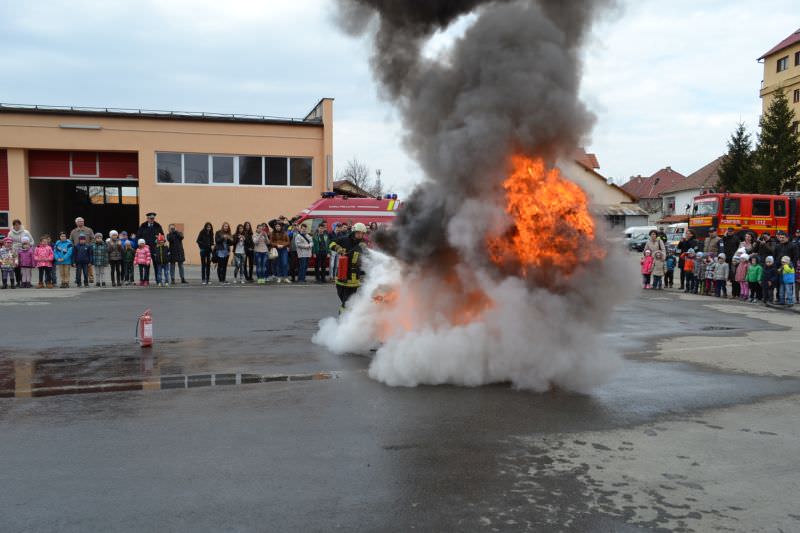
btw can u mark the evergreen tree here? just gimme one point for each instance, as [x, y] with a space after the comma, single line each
[778, 152]
[736, 170]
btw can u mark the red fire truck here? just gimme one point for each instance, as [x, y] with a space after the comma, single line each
[331, 209]
[753, 212]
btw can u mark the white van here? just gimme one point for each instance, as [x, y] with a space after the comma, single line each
[635, 230]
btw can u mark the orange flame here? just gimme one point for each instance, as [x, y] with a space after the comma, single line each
[552, 229]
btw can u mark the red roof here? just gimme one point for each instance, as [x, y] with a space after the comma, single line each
[586, 160]
[653, 186]
[789, 41]
[703, 178]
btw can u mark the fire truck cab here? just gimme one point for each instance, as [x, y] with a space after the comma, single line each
[332, 209]
[744, 212]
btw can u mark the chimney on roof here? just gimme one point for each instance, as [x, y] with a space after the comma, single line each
[669, 169]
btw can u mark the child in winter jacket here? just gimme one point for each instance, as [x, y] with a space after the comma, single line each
[721, 270]
[44, 262]
[658, 270]
[787, 281]
[669, 275]
[8, 262]
[160, 259]
[26, 262]
[114, 247]
[769, 280]
[647, 268]
[699, 273]
[753, 278]
[99, 260]
[82, 258]
[710, 265]
[741, 276]
[688, 269]
[128, 256]
[62, 252]
[143, 259]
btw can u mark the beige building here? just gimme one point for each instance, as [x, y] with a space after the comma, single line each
[113, 166]
[782, 70]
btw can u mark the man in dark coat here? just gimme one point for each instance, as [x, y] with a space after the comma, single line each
[176, 254]
[687, 242]
[764, 247]
[150, 230]
[728, 245]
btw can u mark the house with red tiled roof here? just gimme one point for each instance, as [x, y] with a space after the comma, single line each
[677, 201]
[609, 201]
[647, 190]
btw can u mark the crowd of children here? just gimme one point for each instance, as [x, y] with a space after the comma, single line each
[709, 275]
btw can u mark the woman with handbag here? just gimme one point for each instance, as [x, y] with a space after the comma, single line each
[205, 241]
[223, 240]
[280, 241]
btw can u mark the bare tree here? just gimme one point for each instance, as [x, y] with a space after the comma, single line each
[356, 173]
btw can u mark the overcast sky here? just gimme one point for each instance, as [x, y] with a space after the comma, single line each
[668, 81]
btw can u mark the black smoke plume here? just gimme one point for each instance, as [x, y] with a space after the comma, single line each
[509, 84]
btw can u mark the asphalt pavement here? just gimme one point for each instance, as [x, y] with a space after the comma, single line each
[234, 421]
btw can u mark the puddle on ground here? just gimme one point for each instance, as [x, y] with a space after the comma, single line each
[30, 378]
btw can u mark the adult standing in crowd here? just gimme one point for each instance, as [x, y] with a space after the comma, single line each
[784, 248]
[261, 252]
[150, 230]
[748, 243]
[82, 229]
[205, 241]
[322, 242]
[729, 244]
[280, 240]
[711, 244]
[303, 243]
[764, 247]
[796, 239]
[687, 242]
[249, 252]
[16, 234]
[176, 254]
[223, 240]
[655, 244]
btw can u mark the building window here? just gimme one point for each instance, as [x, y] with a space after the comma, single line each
[3, 219]
[195, 168]
[222, 169]
[760, 208]
[797, 59]
[168, 168]
[783, 63]
[277, 171]
[112, 195]
[796, 96]
[300, 171]
[251, 170]
[206, 169]
[796, 127]
[129, 195]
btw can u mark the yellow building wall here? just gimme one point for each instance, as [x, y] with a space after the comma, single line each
[788, 79]
[188, 205]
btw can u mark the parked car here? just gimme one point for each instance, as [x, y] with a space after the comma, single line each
[636, 242]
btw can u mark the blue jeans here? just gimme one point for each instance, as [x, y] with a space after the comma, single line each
[302, 266]
[261, 264]
[283, 263]
[162, 273]
[82, 268]
[786, 293]
[172, 271]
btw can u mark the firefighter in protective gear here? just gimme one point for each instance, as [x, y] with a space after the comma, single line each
[351, 247]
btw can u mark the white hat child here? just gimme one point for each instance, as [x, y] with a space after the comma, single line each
[140, 242]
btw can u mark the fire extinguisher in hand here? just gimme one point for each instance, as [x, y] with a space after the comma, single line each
[144, 329]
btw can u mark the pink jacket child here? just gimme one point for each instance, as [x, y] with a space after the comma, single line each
[43, 255]
[741, 277]
[25, 257]
[647, 263]
[142, 255]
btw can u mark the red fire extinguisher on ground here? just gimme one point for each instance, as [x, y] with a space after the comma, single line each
[144, 329]
[341, 267]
